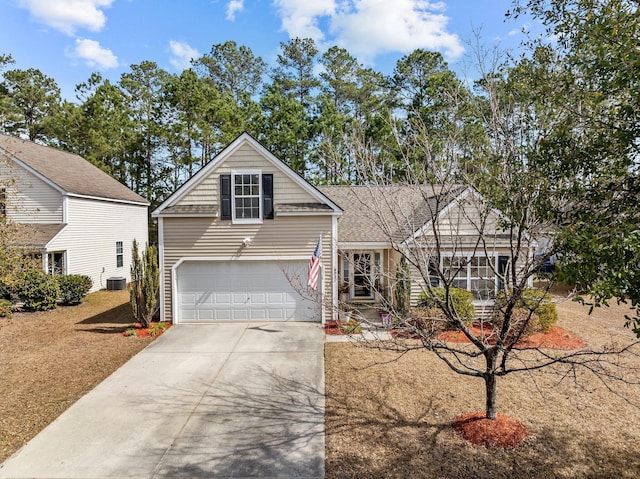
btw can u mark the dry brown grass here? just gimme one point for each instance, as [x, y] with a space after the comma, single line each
[394, 420]
[49, 360]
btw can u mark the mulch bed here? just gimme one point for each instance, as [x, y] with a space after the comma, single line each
[555, 338]
[335, 328]
[154, 330]
[503, 432]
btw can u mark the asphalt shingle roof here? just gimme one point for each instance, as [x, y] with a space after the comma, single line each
[70, 172]
[37, 235]
[384, 213]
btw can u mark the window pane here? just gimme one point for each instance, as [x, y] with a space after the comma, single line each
[455, 265]
[483, 288]
[459, 283]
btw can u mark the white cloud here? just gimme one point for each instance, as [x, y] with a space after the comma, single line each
[524, 29]
[181, 54]
[68, 15]
[233, 7]
[94, 54]
[300, 18]
[368, 28]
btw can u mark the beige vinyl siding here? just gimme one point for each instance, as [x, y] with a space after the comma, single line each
[282, 237]
[246, 158]
[465, 221]
[91, 234]
[30, 199]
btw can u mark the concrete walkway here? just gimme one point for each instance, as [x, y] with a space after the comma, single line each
[214, 401]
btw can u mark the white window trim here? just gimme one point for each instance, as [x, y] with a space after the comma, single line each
[235, 173]
[120, 254]
[469, 278]
[48, 265]
[375, 271]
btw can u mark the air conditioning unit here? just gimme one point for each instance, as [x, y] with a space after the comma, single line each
[116, 283]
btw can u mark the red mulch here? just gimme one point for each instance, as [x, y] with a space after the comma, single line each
[503, 432]
[337, 327]
[555, 338]
[147, 332]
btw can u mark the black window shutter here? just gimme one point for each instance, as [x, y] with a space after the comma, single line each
[225, 196]
[267, 196]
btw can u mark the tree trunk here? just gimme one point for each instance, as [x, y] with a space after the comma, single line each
[491, 385]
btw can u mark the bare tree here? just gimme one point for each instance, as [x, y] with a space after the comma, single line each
[474, 227]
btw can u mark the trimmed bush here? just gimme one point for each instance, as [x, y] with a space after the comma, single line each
[5, 308]
[73, 287]
[540, 302]
[534, 301]
[37, 290]
[461, 300]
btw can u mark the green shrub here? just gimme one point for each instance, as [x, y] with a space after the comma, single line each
[5, 308]
[461, 300]
[539, 302]
[73, 287]
[37, 290]
[532, 300]
[523, 323]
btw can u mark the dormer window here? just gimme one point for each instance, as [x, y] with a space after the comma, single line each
[246, 196]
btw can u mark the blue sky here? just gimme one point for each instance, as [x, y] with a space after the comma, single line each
[70, 39]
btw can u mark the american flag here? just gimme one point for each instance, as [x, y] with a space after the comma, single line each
[314, 266]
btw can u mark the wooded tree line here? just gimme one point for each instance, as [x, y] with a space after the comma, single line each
[562, 122]
[152, 130]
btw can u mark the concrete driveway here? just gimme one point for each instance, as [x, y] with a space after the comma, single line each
[220, 400]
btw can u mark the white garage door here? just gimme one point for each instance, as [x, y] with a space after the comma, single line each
[210, 291]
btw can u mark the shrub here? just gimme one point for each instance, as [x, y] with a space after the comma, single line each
[73, 287]
[37, 290]
[145, 283]
[534, 301]
[519, 317]
[461, 301]
[5, 308]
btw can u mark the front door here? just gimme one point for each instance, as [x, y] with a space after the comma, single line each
[362, 278]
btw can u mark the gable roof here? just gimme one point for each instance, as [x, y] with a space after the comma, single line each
[324, 203]
[381, 214]
[66, 172]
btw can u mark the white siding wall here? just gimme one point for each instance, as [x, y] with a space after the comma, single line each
[91, 234]
[282, 237]
[29, 199]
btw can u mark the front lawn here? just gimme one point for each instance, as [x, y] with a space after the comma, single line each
[394, 420]
[49, 360]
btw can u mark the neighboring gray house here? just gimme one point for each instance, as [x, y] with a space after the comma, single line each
[235, 240]
[77, 217]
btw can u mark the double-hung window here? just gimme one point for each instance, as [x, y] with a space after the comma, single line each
[119, 254]
[475, 274]
[246, 204]
[246, 196]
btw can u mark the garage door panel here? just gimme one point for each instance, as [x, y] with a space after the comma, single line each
[242, 291]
